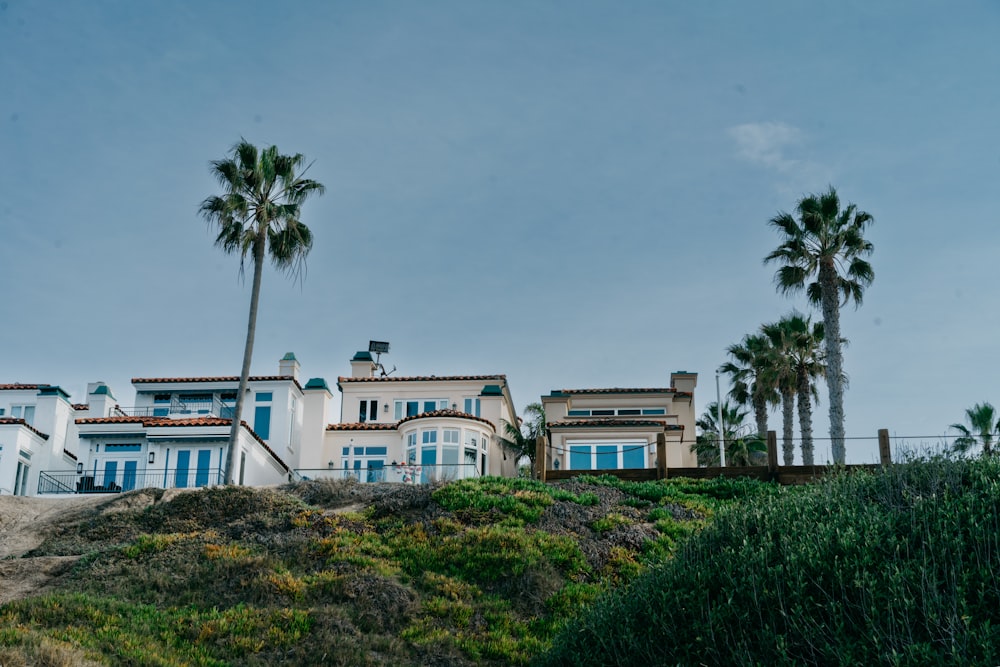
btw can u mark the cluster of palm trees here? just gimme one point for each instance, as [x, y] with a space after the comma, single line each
[823, 252]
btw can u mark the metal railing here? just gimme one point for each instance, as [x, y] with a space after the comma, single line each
[180, 410]
[399, 473]
[127, 480]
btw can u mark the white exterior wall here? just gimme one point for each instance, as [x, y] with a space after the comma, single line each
[15, 439]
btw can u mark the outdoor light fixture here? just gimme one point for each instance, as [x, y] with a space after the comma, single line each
[79, 468]
[330, 465]
[385, 408]
[152, 456]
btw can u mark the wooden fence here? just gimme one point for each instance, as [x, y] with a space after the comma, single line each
[770, 472]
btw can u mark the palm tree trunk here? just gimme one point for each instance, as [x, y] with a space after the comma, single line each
[787, 424]
[834, 376]
[760, 413]
[805, 417]
[234, 430]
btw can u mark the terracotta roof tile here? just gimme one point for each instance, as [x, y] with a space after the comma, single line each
[446, 413]
[612, 422]
[70, 454]
[21, 422]
[150, 422]
[221, 378]
[20, 387]
[618, 390]
[80, 406]
[423, 378]
[369, 426]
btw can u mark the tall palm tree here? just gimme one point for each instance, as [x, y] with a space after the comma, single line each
[748, 374]
[782, 375]
[257, 216]
[519, 440]
[742, 445]
[985, 428]
[824, 253]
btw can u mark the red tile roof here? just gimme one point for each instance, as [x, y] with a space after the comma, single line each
[619, 390]
[80, 406]
[221, 378]
[369, 426]
[446, 413]
[391, 426]
[150, 422]
[20, 387]
[423, 378]
[612, 422]
[21, 422]
[70, 454]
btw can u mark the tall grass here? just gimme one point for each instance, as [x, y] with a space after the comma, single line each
[896, 568]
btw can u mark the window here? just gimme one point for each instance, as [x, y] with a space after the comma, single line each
[413, 408]
[654, 411]
[472, 407]
[429, 437]
[450, 436]
[25, 412]
[368, 410]
[585, 455]
[111, 449]
[621, 412]
[263, 396]
[262, 421]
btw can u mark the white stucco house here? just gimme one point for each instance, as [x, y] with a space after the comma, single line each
[36, 434]
[617, 428]
[408, 428]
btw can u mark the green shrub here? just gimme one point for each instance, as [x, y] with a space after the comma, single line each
[898, 567]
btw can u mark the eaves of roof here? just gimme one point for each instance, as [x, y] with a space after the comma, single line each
[613, 423]
[363, 426]
[615, 390]
[423, 378]
[166, 422]
[20, 422]
[222, 378]
[446, 413]
[20, 387]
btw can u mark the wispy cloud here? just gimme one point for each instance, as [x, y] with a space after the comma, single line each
[773, 145]
[766, 143]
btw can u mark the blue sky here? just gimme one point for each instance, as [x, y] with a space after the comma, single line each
[571, 193]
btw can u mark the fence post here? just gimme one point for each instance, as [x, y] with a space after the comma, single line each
[540, 453]
[661, 455]
[884, 452]
[772, 452]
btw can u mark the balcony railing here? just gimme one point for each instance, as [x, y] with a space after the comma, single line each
[180, 410]
[402, 474]
[127, 480]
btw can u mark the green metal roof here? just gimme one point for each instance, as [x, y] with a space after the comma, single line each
[492, 390]
[362, 355]
[290, 356]
[317, 383]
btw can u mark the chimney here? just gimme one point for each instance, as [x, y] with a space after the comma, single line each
[289, 366]
[100, 400]
[316, 398]
[684, 381]
[362, 365]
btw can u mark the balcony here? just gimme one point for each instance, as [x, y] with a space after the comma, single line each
[180, 409]
[126, 480]
[400, 474]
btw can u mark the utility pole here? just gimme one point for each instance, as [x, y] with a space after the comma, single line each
[722, 427]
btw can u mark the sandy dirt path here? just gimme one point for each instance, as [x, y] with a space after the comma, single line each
[24, 524]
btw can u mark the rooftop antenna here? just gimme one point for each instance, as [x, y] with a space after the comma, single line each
[379, 348]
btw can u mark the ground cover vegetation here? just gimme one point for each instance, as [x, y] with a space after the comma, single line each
[475, 572]
[898, 567]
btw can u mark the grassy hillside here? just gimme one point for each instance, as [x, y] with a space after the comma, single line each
[894, 568]
[475, 572]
